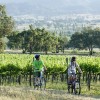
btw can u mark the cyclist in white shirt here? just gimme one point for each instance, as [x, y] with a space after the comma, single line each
[72, 69]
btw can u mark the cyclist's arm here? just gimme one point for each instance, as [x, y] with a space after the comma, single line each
[68, 69]
[44, 67]
[79, 69]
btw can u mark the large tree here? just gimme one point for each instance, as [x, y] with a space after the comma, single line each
[33, 40]
[88, 38]
[97, 37]
[76, 40]
[6, 24]
[62, 42]
[91, 38]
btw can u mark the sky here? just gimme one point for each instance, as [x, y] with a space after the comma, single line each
[66, 1]
[74, 6]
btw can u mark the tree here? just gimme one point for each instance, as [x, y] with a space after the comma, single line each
[97, 37]
[47, 41]
[1, 45]
[62, 42]
[88, 38]
[33, 40]
[13, 42]
[76, 40]
[6, 24]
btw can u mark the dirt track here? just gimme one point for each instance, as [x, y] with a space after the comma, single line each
[25, 93]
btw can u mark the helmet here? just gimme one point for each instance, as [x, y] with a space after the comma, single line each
[37, 56]
[73, 59]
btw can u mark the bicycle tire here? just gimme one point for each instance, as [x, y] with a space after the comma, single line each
[42, 83]
[77, 88]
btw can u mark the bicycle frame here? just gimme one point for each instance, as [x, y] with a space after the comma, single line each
[39, 81]
[74, 83]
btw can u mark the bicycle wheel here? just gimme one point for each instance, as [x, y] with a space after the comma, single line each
[42, 83]
[35, 83]
[77, 88]
[70, 88]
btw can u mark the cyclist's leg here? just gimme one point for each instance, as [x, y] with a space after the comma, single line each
[42, 81]
[41, 74]
[41, 77]
[69, 78]
[74, 81]
[69, 82]
[36, 77]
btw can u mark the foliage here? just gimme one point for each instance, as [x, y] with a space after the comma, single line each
[36, 40]
[6, 24]
[55, 64]
[88, 38]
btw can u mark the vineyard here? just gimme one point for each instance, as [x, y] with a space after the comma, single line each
[55, 64]
[17, 69]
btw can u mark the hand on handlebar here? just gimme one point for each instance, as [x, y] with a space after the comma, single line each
[45, 68]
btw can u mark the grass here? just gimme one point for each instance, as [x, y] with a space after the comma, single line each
[94, 91]
[27, 93]
[62, 86]
[53, 91]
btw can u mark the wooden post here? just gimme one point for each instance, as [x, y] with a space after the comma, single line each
[30, 80]
[67, 69]
[19, 79]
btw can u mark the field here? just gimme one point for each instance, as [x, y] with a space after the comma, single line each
[27, 93]
[14, 65]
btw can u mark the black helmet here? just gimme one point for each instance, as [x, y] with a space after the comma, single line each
[73, 59]
[37, 56]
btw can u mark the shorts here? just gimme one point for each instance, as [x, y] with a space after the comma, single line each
[37, 74]
[71, 78]
[71, 74]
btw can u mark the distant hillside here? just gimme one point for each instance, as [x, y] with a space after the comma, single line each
[51, 7]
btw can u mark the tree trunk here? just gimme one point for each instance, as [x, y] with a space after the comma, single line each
[91, 50]
[46, 52]
[30, 80]
[57, 49]
[63, 49]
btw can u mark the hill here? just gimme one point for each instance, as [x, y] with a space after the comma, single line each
[51, 7]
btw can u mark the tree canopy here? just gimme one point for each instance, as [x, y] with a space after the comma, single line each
[6, 25]
[87, 38]
[36, 39]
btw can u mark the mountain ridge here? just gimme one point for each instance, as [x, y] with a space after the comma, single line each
[51, 8]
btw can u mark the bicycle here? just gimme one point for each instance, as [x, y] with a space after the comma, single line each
[39, 81]
[74, 84]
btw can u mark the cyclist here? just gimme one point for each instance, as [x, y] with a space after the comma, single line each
[38, 67]
[72, 70]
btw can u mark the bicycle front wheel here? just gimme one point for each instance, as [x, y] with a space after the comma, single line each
[42, 83]
[77, 88]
